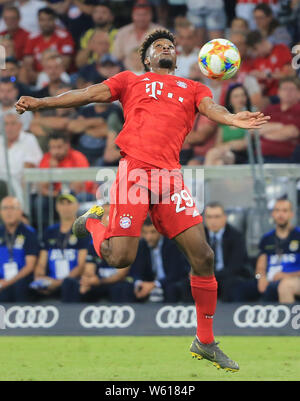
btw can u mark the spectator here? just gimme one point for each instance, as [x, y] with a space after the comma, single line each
[160, 269]
[279, 139]
[23, 152]
[105, 67]
[12, 72]
[100, 281]
[50, 37]
[269, 27]
[53, 73]
[29, 14]
[94, 125]
[18, 253]
[8, 97]
[242, 76]
[63, 156]
[97, 46]
[239, 25]
[62, 254]
[75, 15]
[278, 264]
[209, 18]
[272, 62]
[103, 19]
[46, 121]
[131, 36]
[231, 144]
[11, 16]
[187, 50]
[229, 246]
[245, 8]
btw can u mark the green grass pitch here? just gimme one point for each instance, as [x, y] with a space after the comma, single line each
[144, 358]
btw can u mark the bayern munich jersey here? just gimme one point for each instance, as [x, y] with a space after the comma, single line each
[159, 113]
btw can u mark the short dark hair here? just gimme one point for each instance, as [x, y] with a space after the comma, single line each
[56, 135]
[215, 204]
[294, 80]
[8, 80]
[253, 38]
[148, 222]
[158, 34]
[48, 11]
[9, 7]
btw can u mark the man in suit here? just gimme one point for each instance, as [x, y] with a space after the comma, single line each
[229, 246]
[160, 271]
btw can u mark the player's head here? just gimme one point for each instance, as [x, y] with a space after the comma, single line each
[282, 213]
[158, 51]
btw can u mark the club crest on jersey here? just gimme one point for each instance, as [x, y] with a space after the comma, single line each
[125, 221]
[182, 84]
[294, 245]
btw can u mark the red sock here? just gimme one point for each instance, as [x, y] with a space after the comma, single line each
[204, 291]
[97, 230]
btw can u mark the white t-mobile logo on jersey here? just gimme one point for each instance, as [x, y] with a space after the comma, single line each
[155, 89]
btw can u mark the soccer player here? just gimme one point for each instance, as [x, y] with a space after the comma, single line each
[159, 111]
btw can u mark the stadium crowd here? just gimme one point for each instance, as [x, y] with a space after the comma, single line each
[57, 45]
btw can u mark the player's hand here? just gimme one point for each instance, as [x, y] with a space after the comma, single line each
[27, 103]
[249, 120]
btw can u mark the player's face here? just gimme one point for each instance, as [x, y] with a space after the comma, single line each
[215, 219]
[161, 54]
[282, 213]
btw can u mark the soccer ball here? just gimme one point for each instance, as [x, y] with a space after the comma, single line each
[219, 59]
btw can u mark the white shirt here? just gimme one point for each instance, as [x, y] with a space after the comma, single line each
[25, 150]
[184, 63]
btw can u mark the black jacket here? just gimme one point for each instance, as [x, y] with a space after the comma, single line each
[176, 266]
[235, 256]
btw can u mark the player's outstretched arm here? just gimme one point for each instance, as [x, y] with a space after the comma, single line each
[99, 93]
[219, 114]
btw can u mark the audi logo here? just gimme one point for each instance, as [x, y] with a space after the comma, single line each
[262, 316]
[31, 317]
[107, 316]
[176, 316]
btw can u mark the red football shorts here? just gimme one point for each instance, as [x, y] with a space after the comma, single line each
[141, 188]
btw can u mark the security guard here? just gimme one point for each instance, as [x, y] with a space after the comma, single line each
[19, 249]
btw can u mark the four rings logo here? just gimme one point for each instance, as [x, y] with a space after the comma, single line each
[176, 316]
[107, 316]
[262, 316]
[31, 317]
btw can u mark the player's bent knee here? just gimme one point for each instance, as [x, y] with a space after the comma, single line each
[203, 262]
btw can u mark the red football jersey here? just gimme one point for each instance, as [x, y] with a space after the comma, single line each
[61, 41]
[159, 112]
[279, 57]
